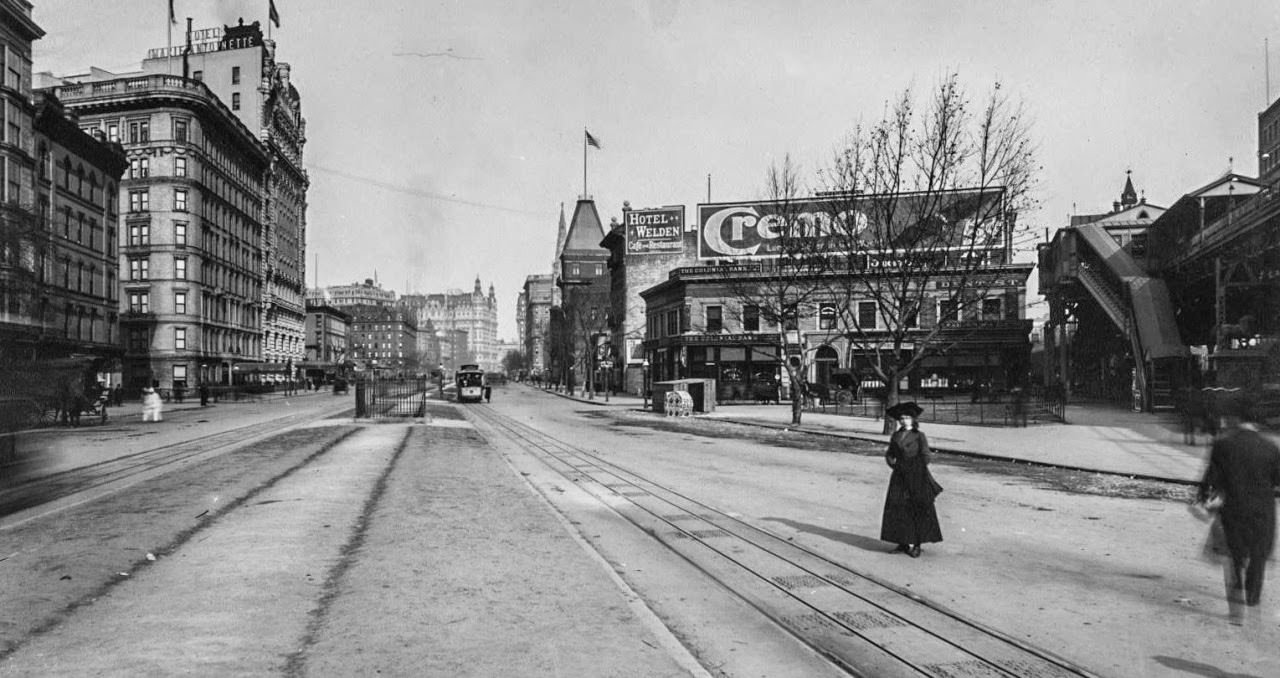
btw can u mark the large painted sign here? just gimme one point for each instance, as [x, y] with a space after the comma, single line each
[655, 231]
[767, 229]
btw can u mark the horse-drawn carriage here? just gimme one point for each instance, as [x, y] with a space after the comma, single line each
[47, 392]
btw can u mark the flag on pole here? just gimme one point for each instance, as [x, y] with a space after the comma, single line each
[173, 18]
[591, 141]
[272, 13]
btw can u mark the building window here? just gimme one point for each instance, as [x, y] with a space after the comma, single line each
[180, 130]
[139, 168]
[139, 302]
[180, 199]
[180, 268]
[140, 201]
[113, 132]
[867, 315]
[14, 176]
[948, 310]
[235, 101]
[827, 316]
[751, 318]
[179, 233]
[179, 302]
[197, 75]
[139, 131]
[991, 308]
[673, 323]
[139, 269]
[179, 167]
[715, 319]
[179, 343]
[235, 75]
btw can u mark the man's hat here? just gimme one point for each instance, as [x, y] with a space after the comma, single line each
[908, 408]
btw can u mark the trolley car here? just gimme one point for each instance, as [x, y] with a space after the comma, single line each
[471, 384]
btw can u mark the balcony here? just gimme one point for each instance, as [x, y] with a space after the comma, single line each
[135, 317]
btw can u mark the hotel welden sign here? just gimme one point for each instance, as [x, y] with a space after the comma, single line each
[655, 231]
[754, 230]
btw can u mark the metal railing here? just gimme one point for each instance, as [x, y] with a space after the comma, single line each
[391, 398]
[999, 411]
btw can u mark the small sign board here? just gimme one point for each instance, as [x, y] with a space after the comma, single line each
[655, 231]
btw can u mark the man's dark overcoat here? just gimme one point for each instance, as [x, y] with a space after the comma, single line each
[909, 515]
[1245, 467]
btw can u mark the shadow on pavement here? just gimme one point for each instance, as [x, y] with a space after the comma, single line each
[855, 540]
[1198, 668]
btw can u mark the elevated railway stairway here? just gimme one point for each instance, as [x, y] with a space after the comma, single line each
[1138, 304]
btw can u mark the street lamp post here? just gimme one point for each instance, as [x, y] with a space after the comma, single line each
[645, 383]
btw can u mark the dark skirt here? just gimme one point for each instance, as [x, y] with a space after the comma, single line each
[909, 516]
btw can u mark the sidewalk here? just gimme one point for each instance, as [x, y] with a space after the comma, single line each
[1099, 439]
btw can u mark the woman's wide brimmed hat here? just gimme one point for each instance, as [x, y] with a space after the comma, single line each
[908, 408]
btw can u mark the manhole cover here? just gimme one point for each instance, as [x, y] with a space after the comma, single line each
[805, 581]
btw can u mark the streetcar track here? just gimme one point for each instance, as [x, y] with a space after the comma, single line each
[121, 469]
[987, 652]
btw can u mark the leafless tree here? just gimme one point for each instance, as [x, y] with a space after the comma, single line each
[923, 209]
[780, 290]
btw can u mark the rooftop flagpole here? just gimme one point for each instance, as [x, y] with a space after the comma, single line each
[585, 134]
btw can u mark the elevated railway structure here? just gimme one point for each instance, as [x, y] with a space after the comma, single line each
[1190, 297]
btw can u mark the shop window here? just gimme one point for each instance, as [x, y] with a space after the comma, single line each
[715, 319]
[751, 318]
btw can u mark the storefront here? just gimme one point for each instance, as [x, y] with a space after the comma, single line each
[745, 366]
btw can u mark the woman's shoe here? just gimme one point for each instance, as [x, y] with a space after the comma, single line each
[915, 551]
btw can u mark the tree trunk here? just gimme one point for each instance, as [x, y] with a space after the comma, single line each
[890, 399]
[797, 398]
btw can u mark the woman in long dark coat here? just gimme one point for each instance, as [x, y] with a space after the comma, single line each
[909, 516]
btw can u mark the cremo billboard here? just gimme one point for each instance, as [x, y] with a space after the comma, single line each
[766, 229]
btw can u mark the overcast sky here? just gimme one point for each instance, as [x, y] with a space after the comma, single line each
[443, 136]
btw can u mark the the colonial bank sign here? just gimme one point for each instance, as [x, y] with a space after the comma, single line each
[655, 231]
[754, 230]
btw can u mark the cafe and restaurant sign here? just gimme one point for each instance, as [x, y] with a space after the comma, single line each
[655, 231]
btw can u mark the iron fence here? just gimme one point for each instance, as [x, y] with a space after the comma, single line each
[990, 412]
[391, 398]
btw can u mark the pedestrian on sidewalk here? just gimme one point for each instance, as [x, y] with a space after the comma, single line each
[1244, 469]
[151, 405]
[909, 515]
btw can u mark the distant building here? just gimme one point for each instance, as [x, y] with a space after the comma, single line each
[474, 313]
[579, 327]
[191, 240]
[367, 293]
[23, 321]
[1128, 222]
[239, 66]
[69, 249]
[538, 296]
[646, 246]
[328, 332]
[384, 340]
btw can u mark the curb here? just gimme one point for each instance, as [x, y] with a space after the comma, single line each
[566, 396]
[964, 453]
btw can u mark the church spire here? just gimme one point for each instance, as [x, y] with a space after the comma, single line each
[1128, 197]
[561, 234]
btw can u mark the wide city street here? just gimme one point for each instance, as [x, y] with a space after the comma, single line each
[541, 536]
